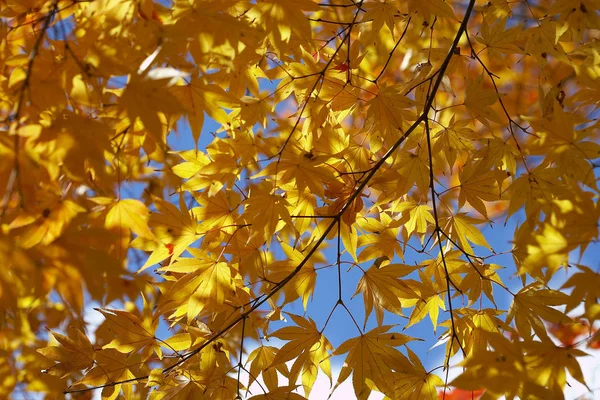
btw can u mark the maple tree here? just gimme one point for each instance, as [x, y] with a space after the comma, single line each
[399, 142]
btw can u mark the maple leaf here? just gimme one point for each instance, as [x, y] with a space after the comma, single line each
[48, 223]
[308, 346]
[420, 218]
[131, 332]
[381, 239]
[112, 366]
[454, 140]
[386, 114]
[462, 232]
[478, 101]
[416, 383]
[282, 19]
[542, 40]
[499, 40]
[75, 353]
[303, 283]
[199, 98]
[382, 288]
[176, 229]
[132, 214]
[429, 302]
[472, 328]
[212, 285]
[371, 359]
[477, 184]
[428, 8]
[479, 278]
[550, 251]
[531, 305]
[307, 170]
[147, 99]
[267, 212]
[261, 360]
[585, 284]
[548, 364]
[493, 370]
[380, 13]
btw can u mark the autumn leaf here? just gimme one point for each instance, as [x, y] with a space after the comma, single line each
[464, 232]
[479, 100]
[531, 305]
[74, 353]
[430, 302]
[369, 357]
[382, 288]
[261, 360]
[265, 210]
[418, 160]
[131, 332]
[131, 214]
[177, 230]
[416, 383]
[308, 346]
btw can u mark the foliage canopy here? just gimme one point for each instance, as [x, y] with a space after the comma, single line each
[395, 142]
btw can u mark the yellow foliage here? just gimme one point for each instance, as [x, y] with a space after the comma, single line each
[196, 170]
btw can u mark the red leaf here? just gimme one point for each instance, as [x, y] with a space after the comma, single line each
[568, 333]
[460, 394]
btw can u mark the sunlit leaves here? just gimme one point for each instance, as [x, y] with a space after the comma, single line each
[386, 114]
[130, 214]
[382, 288]
[371, 359]
[531, 305]
[463, 230]
[132, 333]
[248, 150]
[479, 100]
[416, 383]
[73, 353]
[308, 346]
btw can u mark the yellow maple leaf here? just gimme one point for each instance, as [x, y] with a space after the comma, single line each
[382, 288]
[548, 365]
[430, 302]
[371, 359]
[501, 369]
[132, 333]
[303, 284]
[308, 346]
[386, 114]
[268, 212]
[531, 305]
[462, 232]
[479, 100]
[213, 285]
[261, 360]
[149, 100]
[130, 214]
[550, 250]
[174, 227]
[112, 366]
[416, 383]
[75, 353]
